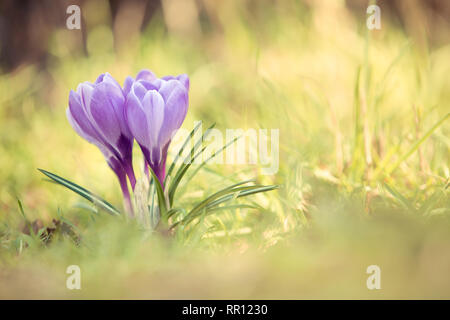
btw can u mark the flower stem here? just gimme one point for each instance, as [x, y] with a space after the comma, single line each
[130, 173]
[126, 195]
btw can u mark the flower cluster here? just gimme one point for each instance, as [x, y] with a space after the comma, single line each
[147, 108]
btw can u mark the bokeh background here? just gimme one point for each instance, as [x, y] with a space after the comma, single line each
[364, 147]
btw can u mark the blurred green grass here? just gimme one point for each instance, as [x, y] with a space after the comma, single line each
[350, 107]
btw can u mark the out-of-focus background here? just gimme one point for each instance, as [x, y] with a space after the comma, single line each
[364, 147]
[32, 32]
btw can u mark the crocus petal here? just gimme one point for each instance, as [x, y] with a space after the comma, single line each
[183, 78]
[153, 105]
[171, 87]
[100, 78]
[79, 120]
[139, 89]
[107, 78]
[127, 85]
[95, 141]
[155, 109]
[96, 113]
[176, 102]
[146, 75]
[149, 85]
[112, 88]
[105, 99]
[137, 120]
[78, 129]
[117, 99]
[85, 91]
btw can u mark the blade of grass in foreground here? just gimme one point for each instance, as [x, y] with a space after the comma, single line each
[399, 197]
[179, 175]
[82, 192]
[187, 163]
[220, 193]
[242, 193]
[180, 152]
[186, 167]
[216, 153]
[160, 194]
[416, 145]
[212, 202]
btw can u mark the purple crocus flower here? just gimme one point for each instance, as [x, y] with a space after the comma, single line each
[96, 113]
[155, 110]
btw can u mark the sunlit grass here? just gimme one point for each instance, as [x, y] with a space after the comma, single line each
[364, 166]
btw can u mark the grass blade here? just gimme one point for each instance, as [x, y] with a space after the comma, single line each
[397, 195]
[82, 192]
[180, 152]
[216, 153]
[416, 145]
[204, 163]
[160, 193]
[186, 164]
[218, 194]
[224, 195]
[180, 173]
[244, 193]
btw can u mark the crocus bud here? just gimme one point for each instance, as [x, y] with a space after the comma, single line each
[155, 109]
[96, 113]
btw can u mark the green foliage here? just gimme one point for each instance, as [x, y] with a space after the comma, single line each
[82, 192]
[364, 164]
[207, 206]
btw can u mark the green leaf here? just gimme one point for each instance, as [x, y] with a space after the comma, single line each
[184, 168]
[160, 193]
[397, 195]
[180, 152]
[188, 161]
[82, 192]
[416, 145]
[216, 153]
[431, 201]
[180, 174]
[234, 206]
[21, 209]
[174, 211]
[245, 193]
[230, 189]
[229, 193]
[85, 206]
[27, 222]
